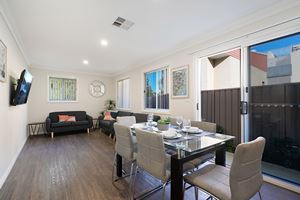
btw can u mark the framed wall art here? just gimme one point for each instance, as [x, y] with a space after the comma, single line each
[180, 82]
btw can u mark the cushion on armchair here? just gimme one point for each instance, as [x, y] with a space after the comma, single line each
[107, 116]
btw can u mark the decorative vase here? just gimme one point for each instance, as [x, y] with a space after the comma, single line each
[163, 127]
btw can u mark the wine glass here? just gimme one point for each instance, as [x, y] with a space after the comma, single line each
[150, 119]
[179, 121]
[186, 126]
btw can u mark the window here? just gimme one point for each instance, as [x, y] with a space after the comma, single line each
[123, 97]
[156, 89]
[62, 89]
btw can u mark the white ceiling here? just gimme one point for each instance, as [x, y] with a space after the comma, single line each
[60, 34]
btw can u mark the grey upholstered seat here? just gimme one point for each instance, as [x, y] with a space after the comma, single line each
[242, 181]
[126, 120]
[125, 146]
[151, 156]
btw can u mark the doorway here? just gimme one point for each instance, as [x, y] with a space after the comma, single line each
[220, 93]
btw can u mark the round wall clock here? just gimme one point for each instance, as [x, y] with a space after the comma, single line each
[97, 89]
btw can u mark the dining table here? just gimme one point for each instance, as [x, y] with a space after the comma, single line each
[184, 147]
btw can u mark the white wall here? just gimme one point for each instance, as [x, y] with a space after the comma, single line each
[13, 120]
[39, 107]
[224, 75]
[258, 76]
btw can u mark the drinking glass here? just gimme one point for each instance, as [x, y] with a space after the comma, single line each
[179, 121]
[150, 119]
[186, 126]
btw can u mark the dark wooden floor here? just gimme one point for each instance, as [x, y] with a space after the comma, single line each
[78, 166]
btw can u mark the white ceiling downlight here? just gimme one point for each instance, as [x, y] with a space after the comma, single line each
[85, 62]
[123, 23]
[104, 42]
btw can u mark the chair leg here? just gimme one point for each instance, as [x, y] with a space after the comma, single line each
[88, 131]
[196, 192]
[259, 195]
[130, 179]
[133, 183]
[113, 170]
[52, 135]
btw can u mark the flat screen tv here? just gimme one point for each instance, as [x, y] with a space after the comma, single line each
[23, 88]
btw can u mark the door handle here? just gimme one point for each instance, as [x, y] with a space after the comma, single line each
[244, 107]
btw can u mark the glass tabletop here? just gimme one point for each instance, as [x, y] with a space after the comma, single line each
[198, 142]
[191, 142]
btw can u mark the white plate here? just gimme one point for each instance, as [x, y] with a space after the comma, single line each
[192, 130]
[178, 135]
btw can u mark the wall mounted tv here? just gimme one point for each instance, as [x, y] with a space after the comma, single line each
[21, 93]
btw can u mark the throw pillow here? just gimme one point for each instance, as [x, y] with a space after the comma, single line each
[66, 118]
[62, 118]
[71, 119]
[107, 116]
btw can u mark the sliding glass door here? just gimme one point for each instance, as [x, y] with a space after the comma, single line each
[274, 104]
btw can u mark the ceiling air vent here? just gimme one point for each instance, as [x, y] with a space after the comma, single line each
[123, 23]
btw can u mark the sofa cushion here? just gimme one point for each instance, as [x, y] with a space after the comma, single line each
[79, 115]
[124, 113]
[61, 124]
[80, 123]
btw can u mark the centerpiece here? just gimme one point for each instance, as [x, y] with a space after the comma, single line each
[164, 124]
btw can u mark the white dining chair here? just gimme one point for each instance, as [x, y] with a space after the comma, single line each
[152, 158]
[241, 182]
[126, 120]
[125, 147]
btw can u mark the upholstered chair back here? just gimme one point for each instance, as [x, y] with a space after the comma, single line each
[205, 126]
[124, 142]
[245, 172]
[127, 120]
[151, 154]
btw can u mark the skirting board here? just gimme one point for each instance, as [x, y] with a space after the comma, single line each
[11, 164]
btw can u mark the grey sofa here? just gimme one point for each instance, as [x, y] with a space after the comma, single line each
[107, 126]
[83, 122]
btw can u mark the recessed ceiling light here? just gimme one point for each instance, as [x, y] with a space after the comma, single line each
[104, 42]
[86, 62]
